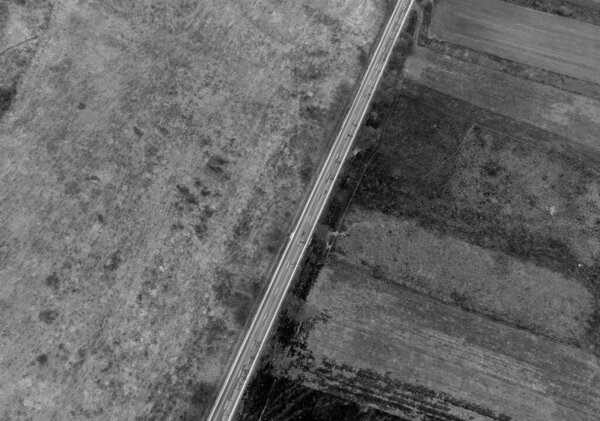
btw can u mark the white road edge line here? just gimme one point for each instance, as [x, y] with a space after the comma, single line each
[401, 6]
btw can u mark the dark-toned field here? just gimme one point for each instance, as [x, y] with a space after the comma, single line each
[573, 117]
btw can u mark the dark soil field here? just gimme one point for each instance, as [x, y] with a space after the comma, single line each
[456, 273]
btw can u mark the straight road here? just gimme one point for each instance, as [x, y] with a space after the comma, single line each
[247, 356]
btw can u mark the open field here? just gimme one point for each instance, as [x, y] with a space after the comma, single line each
[572, 116]
[153, 155]
[456, 272]
[467, 289]
[521, 34]
[468, 365]
[490, 189]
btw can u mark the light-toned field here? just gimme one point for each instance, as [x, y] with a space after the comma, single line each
[153, 157]
[430, 358]
[521, 34]
[573, 116]
[457, 272]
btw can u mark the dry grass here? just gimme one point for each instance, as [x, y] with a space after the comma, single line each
[146, 166]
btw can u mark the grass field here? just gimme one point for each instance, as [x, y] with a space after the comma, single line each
[153, 154]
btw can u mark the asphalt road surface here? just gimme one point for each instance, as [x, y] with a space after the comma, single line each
[247, 355]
